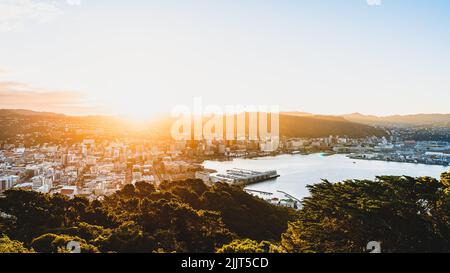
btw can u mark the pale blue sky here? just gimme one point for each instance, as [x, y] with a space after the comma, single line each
[141, 57]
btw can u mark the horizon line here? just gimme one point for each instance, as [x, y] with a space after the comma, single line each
[168, 113]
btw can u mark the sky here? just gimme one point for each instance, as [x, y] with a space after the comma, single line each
[141, 57]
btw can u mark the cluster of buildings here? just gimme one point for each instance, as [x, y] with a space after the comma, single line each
[97, 167]
[393, 148]
[57, 169]
[91, 168]
[424, 152]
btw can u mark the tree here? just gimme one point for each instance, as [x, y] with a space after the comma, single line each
[144, 189]
[11, 246]
[249, 246]
[406, 214]
[182, 228]
[53, 243]
[246, 215]
[33, 213]
[128, 237]
[445, 180]
[127, 191]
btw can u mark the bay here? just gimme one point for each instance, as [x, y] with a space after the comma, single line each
[297, 171]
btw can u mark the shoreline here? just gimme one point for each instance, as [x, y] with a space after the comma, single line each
[324, 153]
[298, 189]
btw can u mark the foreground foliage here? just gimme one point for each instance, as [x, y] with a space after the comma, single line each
[404, 214]
[184, 216]
[250, 246]
[10, 246]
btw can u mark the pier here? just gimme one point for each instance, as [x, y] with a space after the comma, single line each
[260, 192]
[243, 177]
[290, 196]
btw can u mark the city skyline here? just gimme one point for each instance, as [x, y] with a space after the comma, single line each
[145, 57]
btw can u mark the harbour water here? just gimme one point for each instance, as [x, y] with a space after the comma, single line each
[297, 171]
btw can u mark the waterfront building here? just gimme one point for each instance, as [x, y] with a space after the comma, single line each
[241, 176]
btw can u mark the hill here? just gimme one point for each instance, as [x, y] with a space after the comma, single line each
[23, 112]
[291, 124]
[322, 126]
[295, 124]
[430, 120]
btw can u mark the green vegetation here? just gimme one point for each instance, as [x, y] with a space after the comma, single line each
[405, 214]
[38, 128]
[185, 216]
[324, 126]
[52, 243]
[10, 246]
[250, 246]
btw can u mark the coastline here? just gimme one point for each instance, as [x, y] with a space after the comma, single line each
[323, 153]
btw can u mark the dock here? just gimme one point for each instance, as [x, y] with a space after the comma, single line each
[260, 192]
[243, 176]
[290, 196]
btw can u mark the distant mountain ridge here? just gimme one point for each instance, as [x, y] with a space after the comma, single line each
[24, 112]
[442, 120]
[292, 124]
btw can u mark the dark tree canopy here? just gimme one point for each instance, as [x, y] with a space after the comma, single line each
[178, 217]
[405, 214]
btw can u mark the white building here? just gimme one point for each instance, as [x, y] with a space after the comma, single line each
[269, 146]
[203, 175]
[7, 182]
